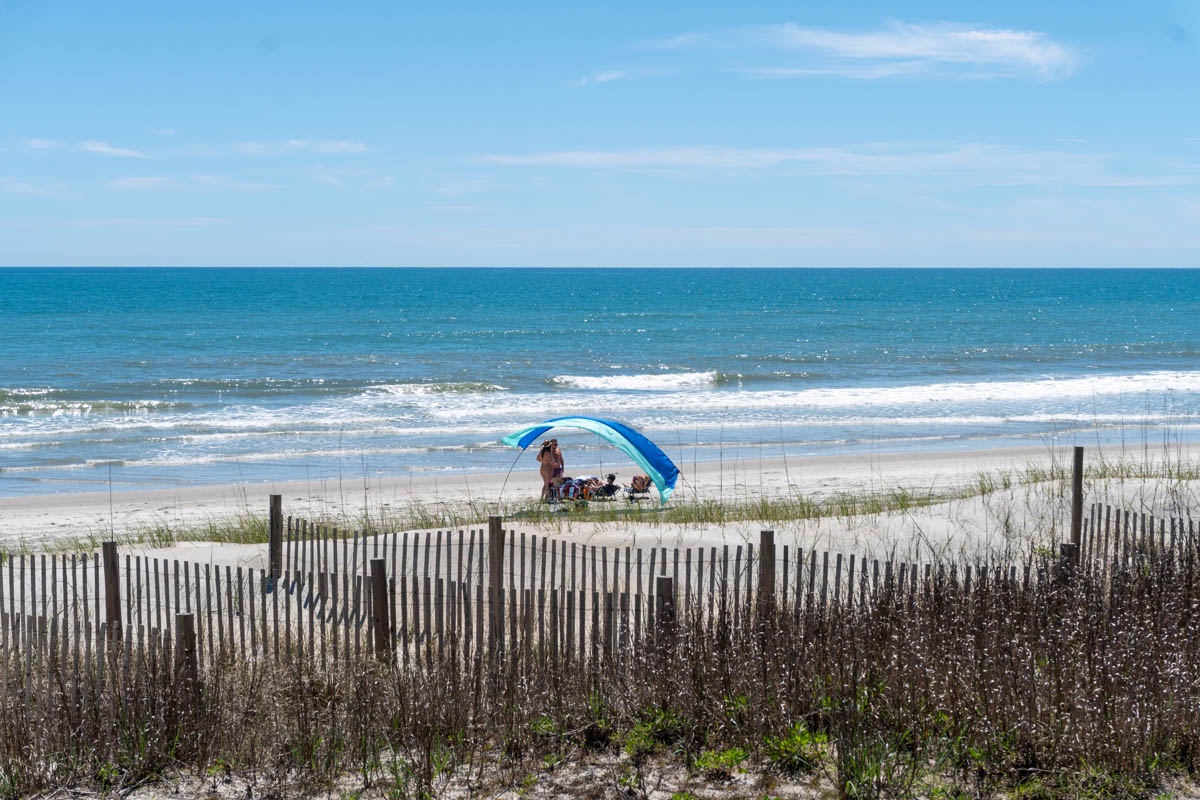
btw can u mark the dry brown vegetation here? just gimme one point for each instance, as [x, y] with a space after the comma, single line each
[978, 676]
[1026, 683]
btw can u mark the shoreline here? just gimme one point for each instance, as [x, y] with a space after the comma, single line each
[45, 519]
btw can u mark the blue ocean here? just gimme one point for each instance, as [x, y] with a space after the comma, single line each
[113, 379]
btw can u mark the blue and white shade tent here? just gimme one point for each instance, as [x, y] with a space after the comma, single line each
[644, 452]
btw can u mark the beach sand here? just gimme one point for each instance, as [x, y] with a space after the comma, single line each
[1007, 519]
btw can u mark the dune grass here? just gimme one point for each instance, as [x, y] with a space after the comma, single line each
[1165, 480]
[1088, 687]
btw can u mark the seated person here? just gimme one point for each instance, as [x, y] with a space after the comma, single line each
[609, 488]
[556, 486]
[640, 483]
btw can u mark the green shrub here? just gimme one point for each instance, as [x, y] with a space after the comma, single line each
[797, 752]
[719, 765]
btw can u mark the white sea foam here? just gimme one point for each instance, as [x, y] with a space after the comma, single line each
[1064, 394]
[1100, 386]
[80, 408]
[421, 414]
[422, 426]
[627, 383]
[422, 389]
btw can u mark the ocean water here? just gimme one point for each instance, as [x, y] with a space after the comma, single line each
[151, 378]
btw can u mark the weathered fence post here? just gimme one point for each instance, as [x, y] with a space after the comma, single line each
[1077, 504]
[275, 546]
[187, 670]
[766, 569]
[1068, 558]
[112, 590]
[664, 608]
[379, 609]
[496, 583]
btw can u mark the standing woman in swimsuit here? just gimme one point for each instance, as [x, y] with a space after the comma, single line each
[551, 460]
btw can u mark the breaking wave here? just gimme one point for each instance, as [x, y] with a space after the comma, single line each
[661, 382]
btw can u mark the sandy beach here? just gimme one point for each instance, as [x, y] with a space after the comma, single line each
[1010, 516]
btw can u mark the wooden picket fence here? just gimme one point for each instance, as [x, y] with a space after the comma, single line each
[428, 598]
[1117, 538]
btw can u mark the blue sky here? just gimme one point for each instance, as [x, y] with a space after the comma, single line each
[552, 134]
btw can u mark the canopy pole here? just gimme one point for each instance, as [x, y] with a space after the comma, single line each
[520, 453]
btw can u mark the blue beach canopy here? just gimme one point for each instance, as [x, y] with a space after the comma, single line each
[643, 451]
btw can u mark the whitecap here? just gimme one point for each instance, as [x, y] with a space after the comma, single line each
[652, 382]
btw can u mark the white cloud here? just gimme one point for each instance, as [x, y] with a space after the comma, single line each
[293, 146]
[141, 222]
[968, 164]
[943, 43]
[607, 76]
[94, 147]
[265, 149]
[894, 49]
[106, 149]
[151, 183]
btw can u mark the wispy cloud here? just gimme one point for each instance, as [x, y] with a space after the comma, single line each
[944, 48]
[607, 76]
[106, 149]
[340, 178]
[294, 146]
[222, 182]
[144, 182]
[284, 147]
[161, 183]
[143, 222]
[653, 158]
[93, 147]
[15, 186]
[869, 73]
[971, 163]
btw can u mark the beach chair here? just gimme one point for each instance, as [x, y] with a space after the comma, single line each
[597, 489]
[571, 490]
[638, 488]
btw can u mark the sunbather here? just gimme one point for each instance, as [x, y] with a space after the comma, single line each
[551, 460]
[610, 488]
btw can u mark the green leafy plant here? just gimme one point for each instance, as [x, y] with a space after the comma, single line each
[719, 765]
[797, 752]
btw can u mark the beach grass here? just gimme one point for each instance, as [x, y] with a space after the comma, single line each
[1164, 480]
[244, 528]
[999, 694]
